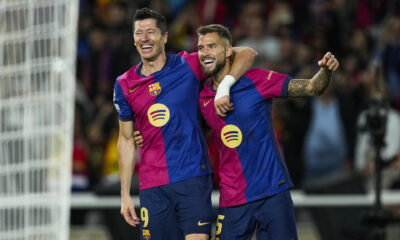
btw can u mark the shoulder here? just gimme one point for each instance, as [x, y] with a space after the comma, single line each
[189, 57]
[257, 73]
[128, 80]
[184, 59]
[186, 54]
[176, 60]
[130, 74]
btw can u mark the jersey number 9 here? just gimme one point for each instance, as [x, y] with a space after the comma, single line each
[144, 215]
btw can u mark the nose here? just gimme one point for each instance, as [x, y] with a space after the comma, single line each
[204, 52]
[144, 37]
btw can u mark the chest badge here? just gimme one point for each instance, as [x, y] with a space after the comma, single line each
[231, 136]
[154, 89]
[146, 234]
[158, 114]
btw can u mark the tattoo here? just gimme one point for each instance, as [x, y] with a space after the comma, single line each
[321, 81]
[298, 87]
[313, 87]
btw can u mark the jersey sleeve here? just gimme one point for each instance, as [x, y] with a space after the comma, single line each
[125, 112]
[270, 84]
[193, 60]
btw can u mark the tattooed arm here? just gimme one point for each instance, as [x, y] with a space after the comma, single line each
[316, 85]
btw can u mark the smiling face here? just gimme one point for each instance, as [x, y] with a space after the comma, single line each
[149, 40]
[212, 53]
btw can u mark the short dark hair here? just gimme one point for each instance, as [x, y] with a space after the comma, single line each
[146, 13]
[222, 31]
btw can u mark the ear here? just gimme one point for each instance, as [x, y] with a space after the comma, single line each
[229, 51]
[165, 40]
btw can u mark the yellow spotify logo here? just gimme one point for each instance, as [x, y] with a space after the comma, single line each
[231, 136]
[158, 114]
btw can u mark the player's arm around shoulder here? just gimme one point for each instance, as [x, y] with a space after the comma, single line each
[242, 60]
[316, 85]
[126, 159]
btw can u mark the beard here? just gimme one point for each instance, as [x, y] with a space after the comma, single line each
[218, 66]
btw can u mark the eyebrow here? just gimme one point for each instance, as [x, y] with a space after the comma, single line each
[147, 29]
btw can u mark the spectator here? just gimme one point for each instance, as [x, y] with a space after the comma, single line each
[257, 38]
[325, 139]
[390, 128]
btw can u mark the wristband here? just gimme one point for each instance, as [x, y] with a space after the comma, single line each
[224, 87]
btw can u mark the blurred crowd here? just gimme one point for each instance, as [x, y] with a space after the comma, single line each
[319, 137]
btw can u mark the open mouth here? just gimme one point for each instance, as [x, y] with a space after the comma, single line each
[146, 47]
[208, 62]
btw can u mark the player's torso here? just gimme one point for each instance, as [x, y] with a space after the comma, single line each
[166, 113]
[250, 167]
[175, 88]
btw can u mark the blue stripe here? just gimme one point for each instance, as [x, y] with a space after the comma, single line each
[259, 155]
[275, 143]
[285, 86]
[122, 106]
[125, 118]
[185, 149]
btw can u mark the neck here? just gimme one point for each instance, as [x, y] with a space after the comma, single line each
[217, 77]
[152, 66]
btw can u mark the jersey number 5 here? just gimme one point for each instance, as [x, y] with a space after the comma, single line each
[219, 224]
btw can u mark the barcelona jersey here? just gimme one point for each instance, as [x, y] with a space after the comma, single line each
[251, 166]
[164, 108]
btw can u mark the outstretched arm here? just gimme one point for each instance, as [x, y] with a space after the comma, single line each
[316, 85]
[126, 159]
[243, 59]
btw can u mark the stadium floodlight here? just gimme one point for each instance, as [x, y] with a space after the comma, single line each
[37, 86]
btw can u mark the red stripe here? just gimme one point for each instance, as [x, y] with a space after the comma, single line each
[153, 166]
[233, 182]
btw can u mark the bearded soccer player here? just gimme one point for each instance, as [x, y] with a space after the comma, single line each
[159, 97]
[254, 186]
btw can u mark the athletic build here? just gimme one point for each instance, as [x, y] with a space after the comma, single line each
[159, 97]
[254, 180]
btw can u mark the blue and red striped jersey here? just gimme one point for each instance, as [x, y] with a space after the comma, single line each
[251, 166]
[164, 108]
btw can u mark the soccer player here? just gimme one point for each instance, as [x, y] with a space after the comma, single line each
[159, 97]
[254, 186]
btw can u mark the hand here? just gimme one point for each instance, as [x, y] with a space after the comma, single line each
[329, 61]
[128, 211]
[223, 105]
[138, 138]
[222, 102]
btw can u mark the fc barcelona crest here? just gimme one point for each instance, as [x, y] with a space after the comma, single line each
[154, 89]
[146, 234]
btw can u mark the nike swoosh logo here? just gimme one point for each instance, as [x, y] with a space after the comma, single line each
[202, 223]
[134, 89]
[206, 103]
[269, 75]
